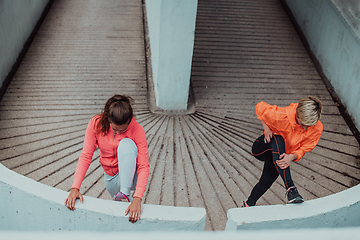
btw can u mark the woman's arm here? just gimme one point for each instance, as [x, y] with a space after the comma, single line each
[84, 162]
[142, 163]
[143, 168]
[262, 111]
[268, 133]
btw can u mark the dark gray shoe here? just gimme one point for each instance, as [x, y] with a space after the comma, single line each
[293, 196]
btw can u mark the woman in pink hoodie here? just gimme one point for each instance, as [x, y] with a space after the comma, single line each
[123, 155]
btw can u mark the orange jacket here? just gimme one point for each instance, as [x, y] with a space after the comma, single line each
[281, 120]
[108, 145]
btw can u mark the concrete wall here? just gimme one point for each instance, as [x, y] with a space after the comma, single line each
[337, 210]
[333, 234]
[171, 29]
[335, 43]
[17, 20]
[28, 205]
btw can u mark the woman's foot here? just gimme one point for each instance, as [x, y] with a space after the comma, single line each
[293, 196]
[245, 204]
[121, 197]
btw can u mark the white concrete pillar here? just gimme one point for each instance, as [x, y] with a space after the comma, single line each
[171, 28]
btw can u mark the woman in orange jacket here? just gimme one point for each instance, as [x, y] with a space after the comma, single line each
[123, 155]
[289, 132]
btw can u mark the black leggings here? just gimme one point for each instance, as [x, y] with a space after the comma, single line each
[269, 153]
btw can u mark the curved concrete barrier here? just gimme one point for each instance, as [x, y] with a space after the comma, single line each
[29, 205]
[338, 210]
[297, 234]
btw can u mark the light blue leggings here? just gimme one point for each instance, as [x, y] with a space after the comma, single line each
[124, 180]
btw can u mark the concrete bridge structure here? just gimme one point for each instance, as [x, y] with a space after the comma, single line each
[243, 52]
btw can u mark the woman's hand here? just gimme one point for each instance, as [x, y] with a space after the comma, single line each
[268, 133]
[286, 159]
[134, 210]
[73, 195]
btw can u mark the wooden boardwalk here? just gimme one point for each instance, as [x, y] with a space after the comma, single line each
[245, 52]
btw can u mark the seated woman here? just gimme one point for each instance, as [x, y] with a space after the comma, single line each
[289, 132]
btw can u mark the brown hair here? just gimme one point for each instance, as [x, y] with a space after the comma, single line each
[117, 110]
[309, 110]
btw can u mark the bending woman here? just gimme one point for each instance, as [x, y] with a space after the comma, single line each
[289, 132]
[123, 155]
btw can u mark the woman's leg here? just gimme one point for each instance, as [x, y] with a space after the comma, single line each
[268, 177]
[292, 194]
[269, 152]
[278, 148]
[127, 154]
[112, 184]
[263, 152]
[123, 181]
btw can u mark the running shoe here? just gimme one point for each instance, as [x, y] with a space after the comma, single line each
[121, 197]
[293, 196]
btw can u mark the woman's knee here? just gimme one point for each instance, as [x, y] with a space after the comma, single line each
[260, 150]
[257, 145]
[126, 145]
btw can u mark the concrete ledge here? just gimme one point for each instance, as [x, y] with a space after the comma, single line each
[338, 210]
[298, 234]
[29, 205]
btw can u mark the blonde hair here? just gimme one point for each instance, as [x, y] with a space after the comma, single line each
[309, 110]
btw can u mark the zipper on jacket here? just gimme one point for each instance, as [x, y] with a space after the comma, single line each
[114, 154]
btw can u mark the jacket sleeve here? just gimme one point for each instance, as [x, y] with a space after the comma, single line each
[274, 117]
[90, 144]
[142, 163]
[310, 142]
[260, 109]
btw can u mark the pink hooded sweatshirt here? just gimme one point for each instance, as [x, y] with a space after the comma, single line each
[108, 145]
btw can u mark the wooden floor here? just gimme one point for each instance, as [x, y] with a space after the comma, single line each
[245, 52]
